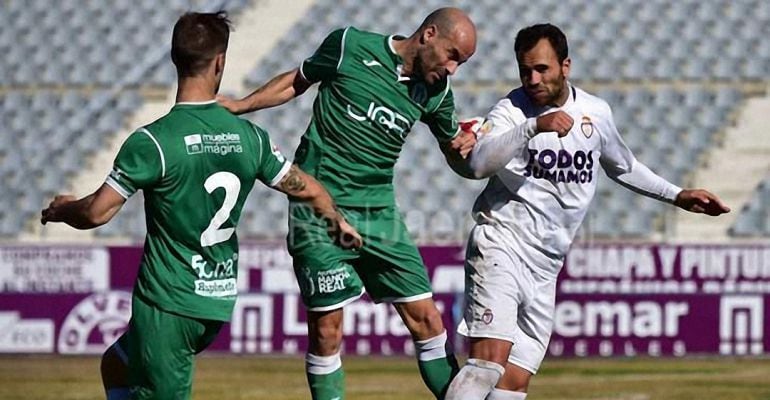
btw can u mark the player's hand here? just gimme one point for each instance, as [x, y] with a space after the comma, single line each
[471, 125]
[345, 235]
[49, 214]
[234, 106]
[700, 201]
[557, 121]
[463, 143]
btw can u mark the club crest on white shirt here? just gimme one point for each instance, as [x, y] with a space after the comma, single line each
[486, 127]
[587, 127]
[487, 316]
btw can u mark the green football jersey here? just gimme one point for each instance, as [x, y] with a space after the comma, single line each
[362, 114]
[196, 165]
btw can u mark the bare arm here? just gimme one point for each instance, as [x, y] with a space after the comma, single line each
[304, 187]
[91, 211]
[277, 91]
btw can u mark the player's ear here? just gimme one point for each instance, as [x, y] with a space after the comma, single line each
[428, 34]
[565, 67]
[219, 64]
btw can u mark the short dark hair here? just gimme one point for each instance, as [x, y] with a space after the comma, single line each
[528, 37]
[197, 39]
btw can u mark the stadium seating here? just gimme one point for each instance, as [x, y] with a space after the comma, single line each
[71, 74]
[717, 43]
[47, 136]
[687, 116]
[672, 71]
[754, 218]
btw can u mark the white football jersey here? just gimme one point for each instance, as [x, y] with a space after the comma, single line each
[538, 201]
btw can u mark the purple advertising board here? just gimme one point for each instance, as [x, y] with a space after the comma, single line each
[612, 300]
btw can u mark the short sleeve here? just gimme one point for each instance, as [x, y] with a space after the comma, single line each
[443, 120]
[324, 62]
[272, 165]
[138, 165]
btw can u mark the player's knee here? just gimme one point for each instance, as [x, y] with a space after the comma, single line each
[494, 350]
[426, 323]
[515, 380]
[433, 322]
[326, 339]
[514, 386]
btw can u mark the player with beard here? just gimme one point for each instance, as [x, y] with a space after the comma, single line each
[541, 148]
[373, 89]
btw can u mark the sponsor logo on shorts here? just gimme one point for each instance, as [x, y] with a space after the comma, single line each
[332, 281]
[487, 317]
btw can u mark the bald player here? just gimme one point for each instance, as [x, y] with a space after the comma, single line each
[374, 88]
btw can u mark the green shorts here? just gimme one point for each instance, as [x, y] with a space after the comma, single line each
[388, 267]
[160, 348]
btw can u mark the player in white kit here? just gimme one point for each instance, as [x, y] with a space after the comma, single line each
[541, 148]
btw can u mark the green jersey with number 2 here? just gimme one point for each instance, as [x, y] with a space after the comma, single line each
[196, 165]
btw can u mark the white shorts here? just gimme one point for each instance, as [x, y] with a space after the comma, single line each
[505, 299]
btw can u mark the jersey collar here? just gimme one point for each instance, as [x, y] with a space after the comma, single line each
[570, 100]
[196, 103]
[397, 58]
[572, 95]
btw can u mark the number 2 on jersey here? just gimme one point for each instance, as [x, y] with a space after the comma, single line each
[232, 185]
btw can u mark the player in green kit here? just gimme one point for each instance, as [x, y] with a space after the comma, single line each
[373, 89]
[196, 166]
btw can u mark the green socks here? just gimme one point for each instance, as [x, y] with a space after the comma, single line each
[325, 377]
[437, 365]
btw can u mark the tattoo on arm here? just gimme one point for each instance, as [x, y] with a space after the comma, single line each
[293, 182]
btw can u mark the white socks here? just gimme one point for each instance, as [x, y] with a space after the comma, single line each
[500, 394]
[320, 365]
[475, 381]
[431, 349]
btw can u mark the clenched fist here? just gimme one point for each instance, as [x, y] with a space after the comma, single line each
[557, 121]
